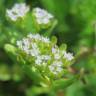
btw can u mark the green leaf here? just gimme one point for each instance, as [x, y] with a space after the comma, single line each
[63, 83]
[34, 91]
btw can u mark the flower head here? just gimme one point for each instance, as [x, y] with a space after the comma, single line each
[44, 53]
[68, 56]
[56, 67]
[18, 11]
[42, 16]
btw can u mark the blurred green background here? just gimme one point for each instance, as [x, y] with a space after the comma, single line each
[76, 27]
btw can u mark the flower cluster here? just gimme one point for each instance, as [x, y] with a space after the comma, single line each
[42, 16]
[45, 53]
[18, 10]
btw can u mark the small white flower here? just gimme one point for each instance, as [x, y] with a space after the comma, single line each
[25, 42]
[34, 51]
[38, 37]
[21, 9]
[41, 59]
[57, 63]
[54, 50]
[45, 39]
[56, 53]
[38, 60]
[68, 56]
[45, 57]
[11, 15]
[56, 67]
[26, 49]
[18, 10]
[42, 16]
[34, 36]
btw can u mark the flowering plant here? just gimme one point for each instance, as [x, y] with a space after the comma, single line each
[43, 60]
[33, 62]
[24, 20]
[40, 57]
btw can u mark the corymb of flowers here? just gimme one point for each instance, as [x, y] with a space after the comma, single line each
[42, 16]
[44, 55]
[17, 11]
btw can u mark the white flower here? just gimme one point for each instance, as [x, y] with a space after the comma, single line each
[34, 36]
[24, 45]
[45, 57]
[11, 15]
[57, 63]
[18, 10]
[56, 67]
[41, 59]
[25, 42]
[35, 50]
[68, 56]
[54, 50]
[38, 37]
[45, 39]
[42, 16]
[21, 9]
[26, 49]
[56, 53]
[38, 60]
